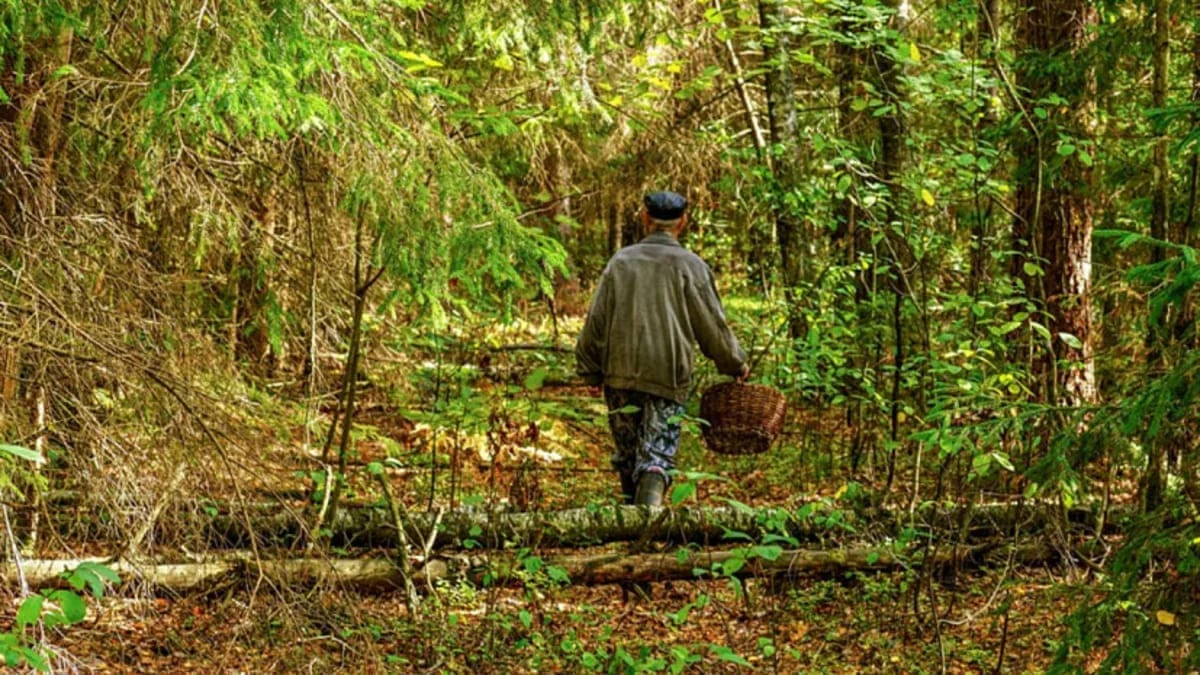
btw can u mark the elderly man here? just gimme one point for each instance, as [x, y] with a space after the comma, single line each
[655, 300]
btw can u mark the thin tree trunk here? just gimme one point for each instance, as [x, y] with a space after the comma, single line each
[1185, 324]
[981, 211]
[781, 113]
[1158, 333]
[364, 279]
[891, 165]
[760, 142]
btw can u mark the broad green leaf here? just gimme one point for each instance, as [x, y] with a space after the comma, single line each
[73, 607]
[536, 378]
[682, 491]
[34, 658]
[30, 611]
[532, 564]
[558, 574]
[23, 453]
[1066, 149]
[1002, 460]
[729, 656]
[1072, 341]
[64, 71]
[739, 506]
[927, 197]
[768, 552]
[981, 464]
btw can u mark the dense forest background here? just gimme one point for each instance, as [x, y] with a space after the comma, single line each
[312, 255]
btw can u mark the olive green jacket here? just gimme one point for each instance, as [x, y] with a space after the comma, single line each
[654, 302]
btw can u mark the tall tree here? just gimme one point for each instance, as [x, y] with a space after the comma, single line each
[1158, 331]
[1054, 210]
[781, 113]
[891, 164]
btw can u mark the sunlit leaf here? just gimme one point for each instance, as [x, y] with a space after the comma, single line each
[503, 62]
[682, 491]
[1072, 341]
[23, 453]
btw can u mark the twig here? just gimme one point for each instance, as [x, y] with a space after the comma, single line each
[429, 541]
[195, 43]
[135, 541]
[411, 599]
[320, 521]
[16, 553]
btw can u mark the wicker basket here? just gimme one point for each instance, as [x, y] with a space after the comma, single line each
[744, 419]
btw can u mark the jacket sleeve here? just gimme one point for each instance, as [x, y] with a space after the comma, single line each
[717, 341]
[591, 346]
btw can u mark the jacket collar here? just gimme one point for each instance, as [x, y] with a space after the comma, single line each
[660, 238]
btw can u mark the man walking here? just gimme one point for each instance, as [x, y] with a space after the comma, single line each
[655, 300]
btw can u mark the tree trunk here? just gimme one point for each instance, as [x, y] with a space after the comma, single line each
[1158, 334]
[781, 114]
[981, 211]
[1053, 198]
[891, 165]
[1185, 320]
[850, 237]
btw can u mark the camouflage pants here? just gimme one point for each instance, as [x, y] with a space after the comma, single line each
[646, 439]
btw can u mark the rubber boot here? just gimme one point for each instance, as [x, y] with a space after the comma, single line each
[628, 487]
[650, 489]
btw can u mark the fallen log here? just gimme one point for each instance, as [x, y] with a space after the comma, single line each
[373, 527]
[382, 574]
[482, 528]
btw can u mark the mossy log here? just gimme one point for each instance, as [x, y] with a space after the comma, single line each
[372, 527]
[383, 574]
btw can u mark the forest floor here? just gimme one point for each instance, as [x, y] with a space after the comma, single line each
[852, 625]
[478, 445]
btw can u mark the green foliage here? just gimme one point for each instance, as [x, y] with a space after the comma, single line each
[51, 609]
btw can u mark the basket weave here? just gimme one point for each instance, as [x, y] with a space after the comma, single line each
[744, 419]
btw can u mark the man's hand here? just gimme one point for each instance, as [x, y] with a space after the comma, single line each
[745, 373]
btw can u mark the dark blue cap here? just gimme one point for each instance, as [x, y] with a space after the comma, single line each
[665, 205]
